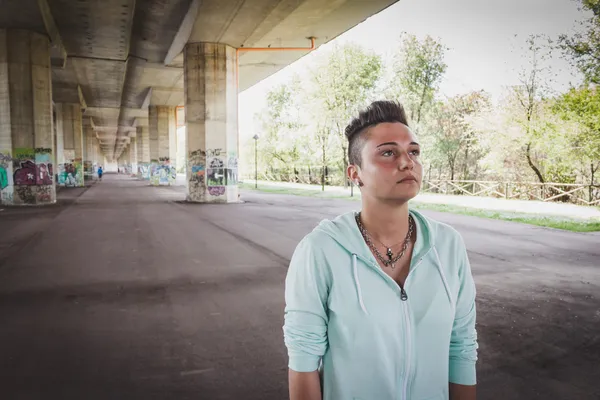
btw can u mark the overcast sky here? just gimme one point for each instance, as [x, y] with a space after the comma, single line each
[484, 52]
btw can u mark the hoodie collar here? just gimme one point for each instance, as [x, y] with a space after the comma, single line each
[343, 230]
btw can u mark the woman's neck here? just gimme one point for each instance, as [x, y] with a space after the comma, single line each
[388, 223]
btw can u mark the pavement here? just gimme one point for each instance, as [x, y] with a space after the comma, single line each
[536, 208]
[123, 291]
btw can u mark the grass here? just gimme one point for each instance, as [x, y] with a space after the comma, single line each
[566, 224]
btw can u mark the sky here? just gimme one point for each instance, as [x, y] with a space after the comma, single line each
[486, 41]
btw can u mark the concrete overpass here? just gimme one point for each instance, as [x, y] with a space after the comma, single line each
[85, 82]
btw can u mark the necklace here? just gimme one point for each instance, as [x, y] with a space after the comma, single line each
[391, 260]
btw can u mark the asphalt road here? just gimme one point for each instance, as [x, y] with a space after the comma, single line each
[122, 292]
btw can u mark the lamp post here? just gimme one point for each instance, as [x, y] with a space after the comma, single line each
[255, 137]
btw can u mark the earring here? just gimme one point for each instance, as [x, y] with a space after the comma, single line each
[359, 183]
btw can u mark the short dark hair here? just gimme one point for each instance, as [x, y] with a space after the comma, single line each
[376, 113]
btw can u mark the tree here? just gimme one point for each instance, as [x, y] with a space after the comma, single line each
[280, 124]
[582, 106]
[344, 81]
[584, 47]
[418, 70]
[528, 98]
[452, 130]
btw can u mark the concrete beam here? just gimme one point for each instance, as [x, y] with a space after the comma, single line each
[115, 128]
[81, 99]
[58, 51]
[184, 32]
[147, 99]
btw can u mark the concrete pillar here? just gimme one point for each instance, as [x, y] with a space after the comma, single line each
[70, 173]
[88, 154]
[211, 120]
[133, 154]
[162, 132]
[26, 131]
[143, 137]
[60, 143]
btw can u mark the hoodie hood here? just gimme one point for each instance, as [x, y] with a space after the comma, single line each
[344, 230]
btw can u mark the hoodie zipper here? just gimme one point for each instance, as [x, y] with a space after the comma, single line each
[407, 319]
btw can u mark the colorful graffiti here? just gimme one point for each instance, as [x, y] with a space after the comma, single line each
[215, 174]
[27, 176]
[3, 178]
[70, 174]
[5, 163]
[6, 184]
[144, 171]
[216, 190]
[162, 172]
[25, 173]
[196, 176]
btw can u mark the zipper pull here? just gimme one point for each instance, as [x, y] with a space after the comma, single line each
[403, 295]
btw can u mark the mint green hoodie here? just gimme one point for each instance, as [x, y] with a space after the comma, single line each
[344, 315]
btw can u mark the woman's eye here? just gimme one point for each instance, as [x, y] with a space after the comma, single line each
[387, 153]
[416, 152]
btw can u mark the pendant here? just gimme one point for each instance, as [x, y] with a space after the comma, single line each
[389, 254]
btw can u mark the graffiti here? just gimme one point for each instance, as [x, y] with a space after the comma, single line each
[196, 188]
[44, 174]
[3, 178]
[6, 197]
[25, 173]
[23, 154]
[164, 159]
[197, 153]
[216, 190]
[6, 161]
[232, 161]
[163, 174]
[231, 177]
[198, 170]
[214, 152]
[26, 194]
[44, 194]
[144, 171]
[42, 150]
[88, 168]
[216, 173]
[70, 174]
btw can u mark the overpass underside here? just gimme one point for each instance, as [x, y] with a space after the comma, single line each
[88, 83]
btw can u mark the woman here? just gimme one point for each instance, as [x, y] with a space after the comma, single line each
[380, 304]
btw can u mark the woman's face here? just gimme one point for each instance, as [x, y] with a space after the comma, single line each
[391, 170]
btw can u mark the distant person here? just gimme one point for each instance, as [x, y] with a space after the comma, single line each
[380, 304]
[100, 172]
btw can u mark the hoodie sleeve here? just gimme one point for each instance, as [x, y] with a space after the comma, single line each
[306, 292]
[463, 341]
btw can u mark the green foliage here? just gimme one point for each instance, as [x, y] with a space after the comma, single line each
[584, 47]
[343, 82]
[418, 70]
[529, 135]
[455, 140]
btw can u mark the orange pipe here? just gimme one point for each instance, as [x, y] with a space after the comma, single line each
[238, 50]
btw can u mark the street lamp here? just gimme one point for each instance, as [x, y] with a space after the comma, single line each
[255, 137]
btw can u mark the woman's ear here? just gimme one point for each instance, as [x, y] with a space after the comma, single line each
[354, 174]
